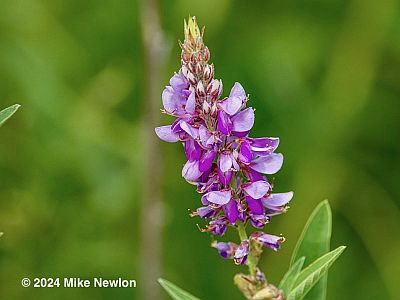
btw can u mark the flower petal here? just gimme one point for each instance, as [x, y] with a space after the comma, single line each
[257, 189]
[231, 105]
[225, 177]
[226, 250]
[218, 197]
[191, 103]
[277, 199]
[205, 212]
[245, 154]
[224, 162]
[193, 132]
[268, 240]
[243, 121]
[231, 211]
[191, 171]
[238, 91]
[269, 164]
[224, 123]
[264, 146]
[170, 101]
[241, 253]
[165, 133]
[255, 205]
[207, 160]
[192, 150]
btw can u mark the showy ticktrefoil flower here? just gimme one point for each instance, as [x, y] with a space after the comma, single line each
[228, 167]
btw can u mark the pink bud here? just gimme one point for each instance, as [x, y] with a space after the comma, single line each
[190, 77]
[199, 68]
[208, 72]
[200, 89]
[206, 107]
[206, 54]
[214, 87]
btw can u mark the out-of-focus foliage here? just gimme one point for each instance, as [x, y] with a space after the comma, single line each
[323, 75]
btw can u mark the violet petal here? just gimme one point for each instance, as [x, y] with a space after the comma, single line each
[257, 189]
[165, 133]
[219, 197]
[243, 121]
[269, 164]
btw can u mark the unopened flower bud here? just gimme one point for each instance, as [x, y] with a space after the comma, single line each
[190, 77]
[206, 54]
[192, 67]
[185, 57]
[199, 68]
[213, 88]
[200, 89]
[185, 71]
[208, 73]
[206, 107]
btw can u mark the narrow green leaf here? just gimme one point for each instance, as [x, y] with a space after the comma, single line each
[291, 275]
[6, 113]
[313, 242]
[313, 273]
[175, 292]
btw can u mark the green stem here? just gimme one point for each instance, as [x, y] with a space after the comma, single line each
[250, 259]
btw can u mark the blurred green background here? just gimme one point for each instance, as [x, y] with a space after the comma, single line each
[79, 165]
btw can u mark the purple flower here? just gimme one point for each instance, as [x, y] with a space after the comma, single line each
[241, 253]
[268, 240]
[226, 250]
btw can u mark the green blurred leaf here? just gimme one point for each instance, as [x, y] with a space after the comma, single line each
[291, 275]
[6, 113]
[313, 242]
[313, 273]
[175, 292]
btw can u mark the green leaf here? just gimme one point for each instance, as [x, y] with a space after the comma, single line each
[175, 292]
[310, 275]
[5, 114]
[290, 277]
[313, 242]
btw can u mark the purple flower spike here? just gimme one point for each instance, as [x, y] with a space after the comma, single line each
[241, 253]
[268, 240]
[229, 167]
[226, 250]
